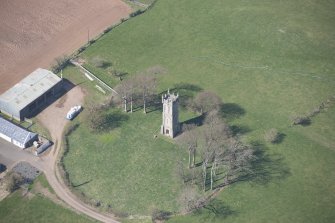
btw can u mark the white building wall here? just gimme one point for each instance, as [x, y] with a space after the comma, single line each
[5, 137]
[18, 144]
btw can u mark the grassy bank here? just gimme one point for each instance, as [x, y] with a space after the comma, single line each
[36, 207]
[268, 60]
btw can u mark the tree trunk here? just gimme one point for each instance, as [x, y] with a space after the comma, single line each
[131, 104]
[144, 104]
[189, 157]
[212, 170]
[125, 104]
[204, 166]
[193, 161]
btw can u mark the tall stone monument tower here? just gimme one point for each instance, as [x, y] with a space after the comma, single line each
[170, 125]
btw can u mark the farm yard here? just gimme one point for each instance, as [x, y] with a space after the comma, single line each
[269, 61]
[34, 33]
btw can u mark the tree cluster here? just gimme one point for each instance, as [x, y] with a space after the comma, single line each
[221, 157]
[139, 89]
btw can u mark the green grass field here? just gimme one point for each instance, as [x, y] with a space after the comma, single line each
[268, 60]
[36, 208]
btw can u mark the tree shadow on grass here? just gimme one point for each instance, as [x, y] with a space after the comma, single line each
[198, 121]
[239, 130]
[216, 209]
[105, 64]
[266, 167]
[231, 111]
[280, 138]
[81, 184]
[154, 104]
[186, 92]
[113, 120]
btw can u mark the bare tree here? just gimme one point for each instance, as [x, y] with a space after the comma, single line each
[146, 86]
[133, 92]
[215, 135]
[190, 199]
[189, 139]
[126, 91]
[237, 159]
[116, 73]
[212, 141]
[206, 101]
[60, 63]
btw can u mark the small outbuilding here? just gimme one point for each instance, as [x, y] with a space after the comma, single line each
[16, 135]
[30, 94]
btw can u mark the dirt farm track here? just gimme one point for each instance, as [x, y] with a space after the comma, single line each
[34, 32]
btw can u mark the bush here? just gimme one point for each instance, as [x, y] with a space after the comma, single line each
[314, 112]
[136, 13]
[13, 181]
[99, 62]
[272, 136]
[81, 49]
[60, 63]
[102, 120]
[119, 214]
[160, 215]
[301, 120]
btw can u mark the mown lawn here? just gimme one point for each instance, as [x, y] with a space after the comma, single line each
[36, 208]
[268, 60]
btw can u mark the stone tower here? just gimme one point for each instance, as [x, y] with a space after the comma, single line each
[170, 125]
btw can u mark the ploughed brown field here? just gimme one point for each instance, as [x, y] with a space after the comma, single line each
[34, 32]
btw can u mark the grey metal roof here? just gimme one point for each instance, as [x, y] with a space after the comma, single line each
[30, 88]
[15, 132]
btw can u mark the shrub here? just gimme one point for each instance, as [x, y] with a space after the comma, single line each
[60, 63]
[301, 120]
[272, 135]
[99, 62]
[81, 49]
[314, 112]
[160, 215]
[136, 13]
[13, 181]
[120, 214]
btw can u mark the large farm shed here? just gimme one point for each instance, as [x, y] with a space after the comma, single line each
[16, 135]
[30, 94]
